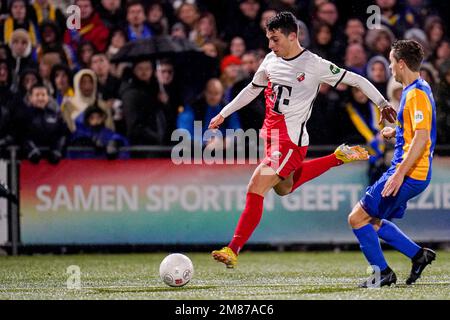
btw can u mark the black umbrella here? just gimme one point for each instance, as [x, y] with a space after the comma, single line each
[155, 48]
[192, 66]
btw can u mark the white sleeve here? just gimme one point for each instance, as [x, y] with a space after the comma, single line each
[333, 75]
[328, 72]
[250, 92]
[247, 95]
[355, 80]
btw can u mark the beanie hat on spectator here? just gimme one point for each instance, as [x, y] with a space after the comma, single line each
[92, 110]
[419, 36]
[381, 60]
[178, 3]
[229, 60]
[373, 34]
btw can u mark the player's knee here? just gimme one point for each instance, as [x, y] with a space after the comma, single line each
[282, 191]
[358, 218]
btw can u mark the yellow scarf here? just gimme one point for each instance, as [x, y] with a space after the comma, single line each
[9, 29]
[40, 14]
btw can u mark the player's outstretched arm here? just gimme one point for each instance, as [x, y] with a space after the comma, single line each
[387, 111]
[247, 95]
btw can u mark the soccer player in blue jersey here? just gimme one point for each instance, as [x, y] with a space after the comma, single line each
[408, 176]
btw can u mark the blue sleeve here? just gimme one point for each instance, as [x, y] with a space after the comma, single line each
[185, 119]
[233, 121]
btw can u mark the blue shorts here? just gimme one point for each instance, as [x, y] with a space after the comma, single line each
[390, 207]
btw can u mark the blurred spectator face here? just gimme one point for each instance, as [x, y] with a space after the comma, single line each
[111, 5]
[443, 50]
[250, 8]
[3, 73]
[359, 96]
[328, 13]
[48, 61]
[378, 72]
[48, 35]
[232, 71]
[87, 85]
[136, 15]
[86, 9]
[39, 97]
[29, 81]
[178, 31]
[143, 71]
[100, 65]
[206, 26]
[266, 15]
[249, 63]
[86, 53]
[324, 88]
[213, 92]
[415, 3]
[188, 13]
[19, 11]
[324, 35]
[425, 75]
[118, 39]
[96, 120]
[155, 13]
[19, 46]
[382, 42]
[386, 4]
[3, 53]
[61, 81]
[237, 47]
[436, 32]
[354, 30]
[210, 50]
[355, 56]
[164, 74]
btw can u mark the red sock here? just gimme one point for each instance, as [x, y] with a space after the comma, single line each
[314, 168]
[248, 221]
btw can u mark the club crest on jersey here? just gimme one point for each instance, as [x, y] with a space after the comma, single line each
[301, 77]
[275, 156]
[334, 69]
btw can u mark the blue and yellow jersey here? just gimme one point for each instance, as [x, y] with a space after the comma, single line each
[417, 111]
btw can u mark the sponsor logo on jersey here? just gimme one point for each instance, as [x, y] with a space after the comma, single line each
[301, 77]
[334, 69]
[418, 116]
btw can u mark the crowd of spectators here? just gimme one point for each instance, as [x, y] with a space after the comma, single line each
[59, 87]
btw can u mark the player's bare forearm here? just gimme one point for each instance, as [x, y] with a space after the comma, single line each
[418, 145]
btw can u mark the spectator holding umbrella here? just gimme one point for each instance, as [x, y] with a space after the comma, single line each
[143, 112]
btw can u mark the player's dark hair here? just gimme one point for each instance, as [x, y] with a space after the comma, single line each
[284, 21]
[409, 51]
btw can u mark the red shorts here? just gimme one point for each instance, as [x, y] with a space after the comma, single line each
[284, 157]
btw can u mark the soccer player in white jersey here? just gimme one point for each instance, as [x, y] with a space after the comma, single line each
[290, 76]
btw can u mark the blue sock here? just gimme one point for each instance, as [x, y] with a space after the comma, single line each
[393, 236]
[370, 246]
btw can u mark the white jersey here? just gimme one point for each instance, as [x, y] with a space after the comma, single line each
[292, 86]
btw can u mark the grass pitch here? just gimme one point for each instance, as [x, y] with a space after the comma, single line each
[260, 275]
